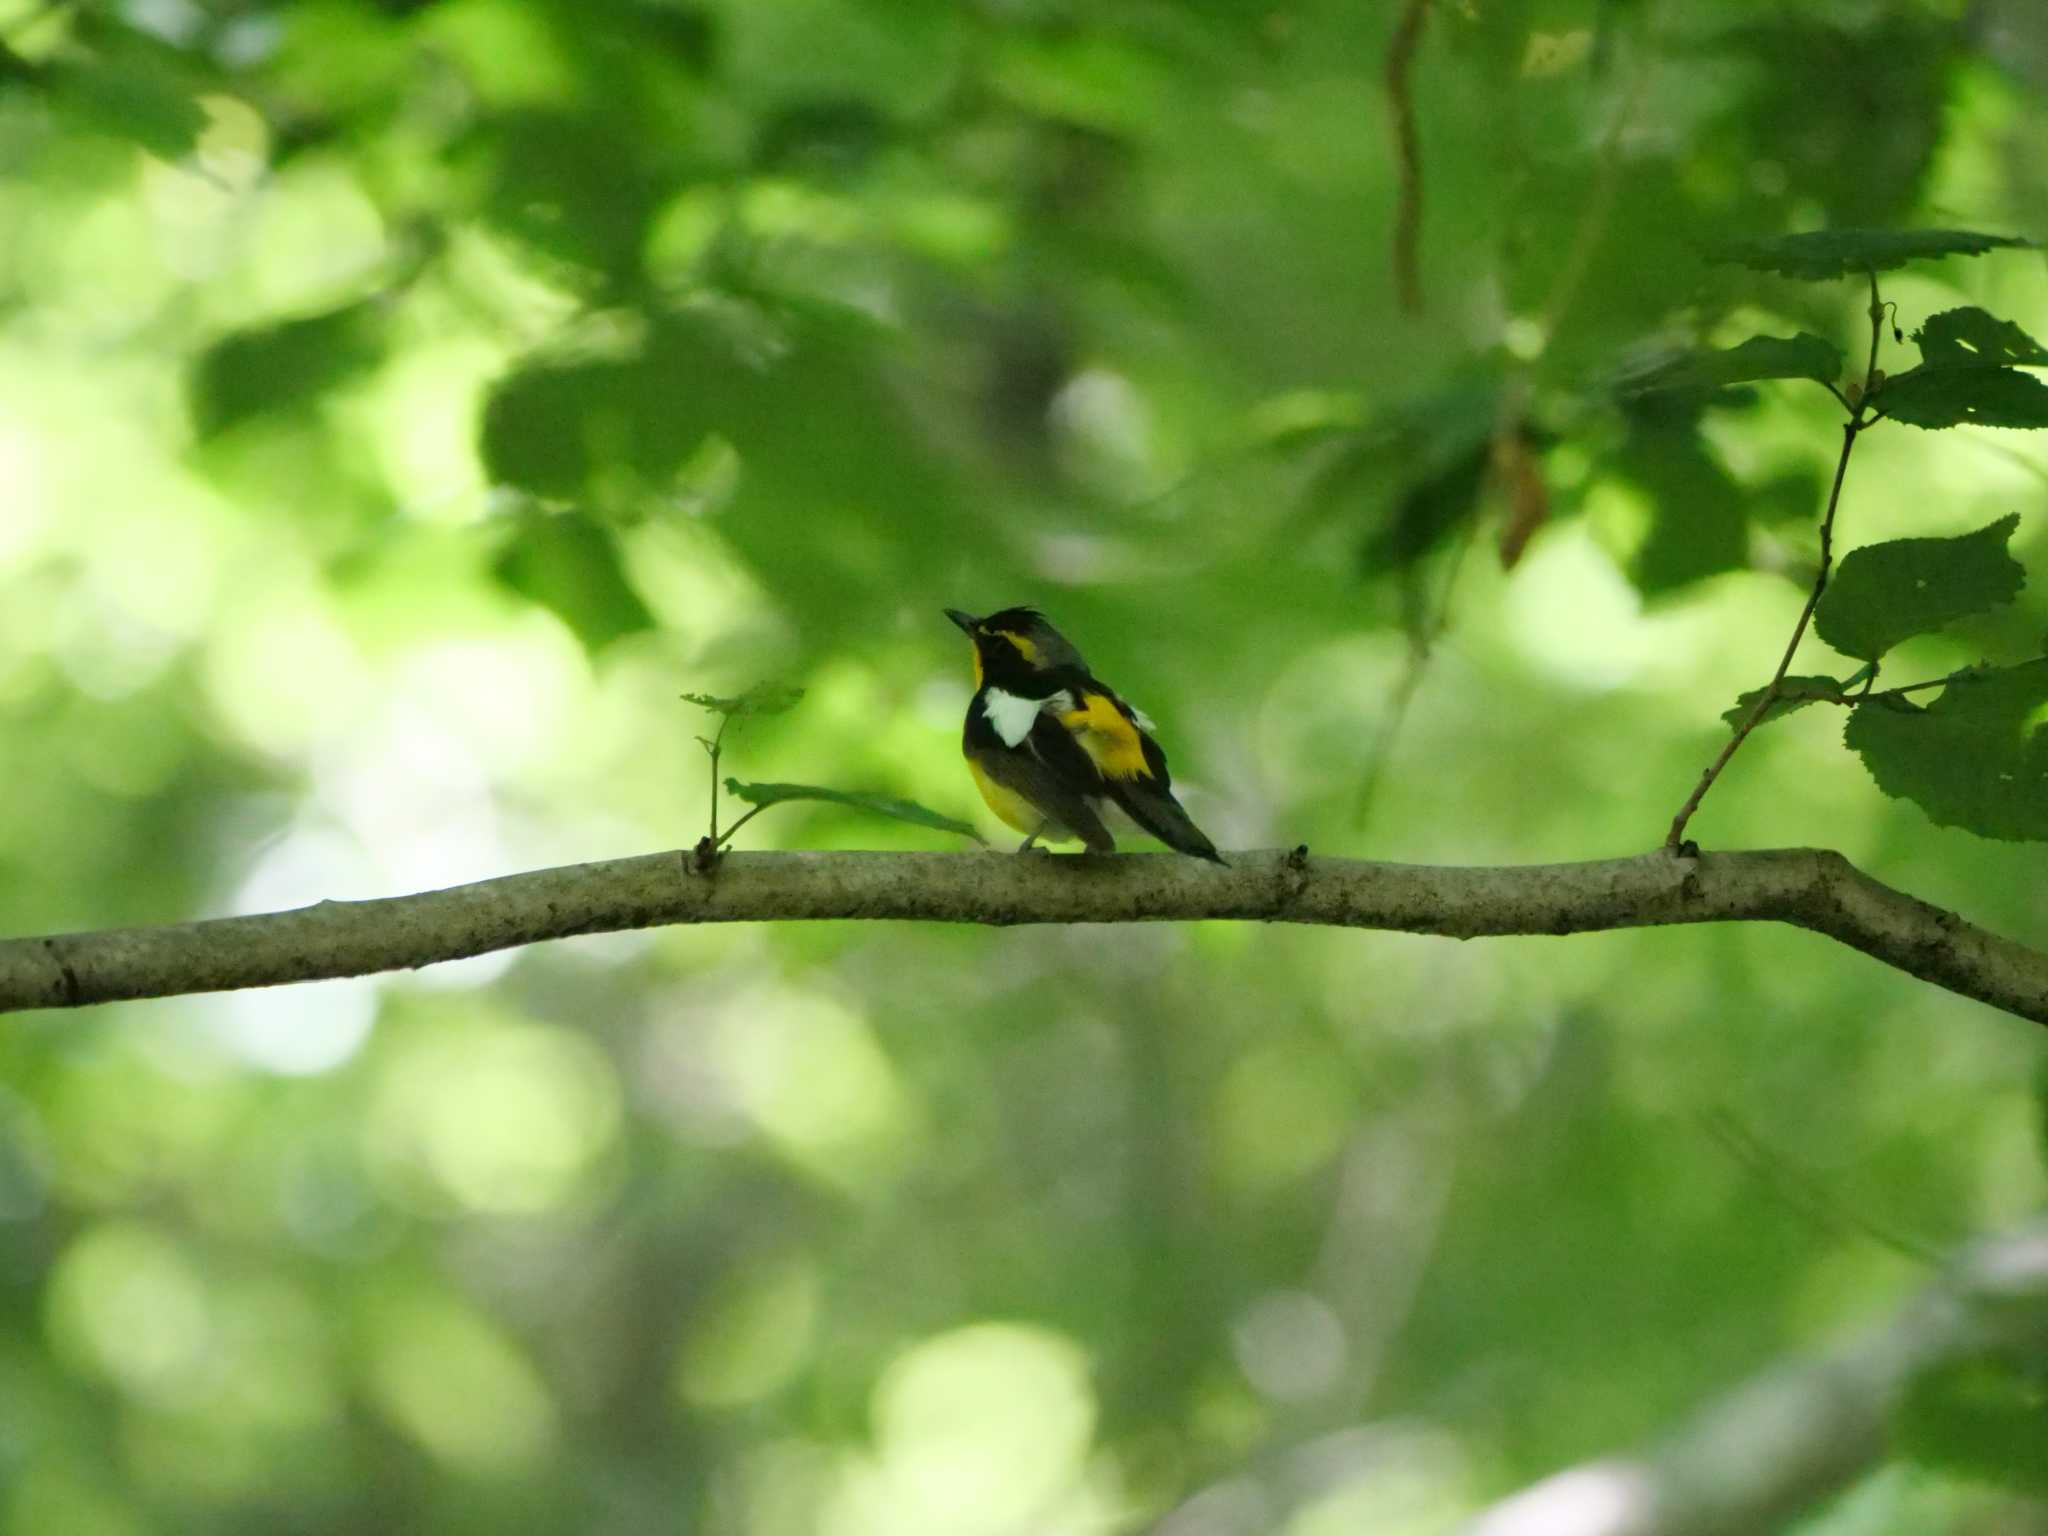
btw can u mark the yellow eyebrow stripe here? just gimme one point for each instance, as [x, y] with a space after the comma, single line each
[1110, 741]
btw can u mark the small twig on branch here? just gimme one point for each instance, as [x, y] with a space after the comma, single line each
[1808, 888]
[1868, 696]
[1857, 422]
[1777, 1445]
[761, 699]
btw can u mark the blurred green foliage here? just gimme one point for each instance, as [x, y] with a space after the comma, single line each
[400, 403]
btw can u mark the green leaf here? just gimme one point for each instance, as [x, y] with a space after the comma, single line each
[1986, 1418]
[1803, 356]
[1793, 693]
[1954, 397]
[1303, 416]
[761, 699]
[1828, 253]
[1964, 375]
[1416, 469]
[286, 366]
[881, 805]
[1884, 593]
[570, 566]
[136, 97]
[1804, 94]
[563, 181]
[578, 428]
[1699, 515]
[1971, 337]
[1976, 758]
[1427, 512]
[1796, 496]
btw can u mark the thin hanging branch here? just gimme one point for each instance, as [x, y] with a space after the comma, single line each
[1400, 61]
[1808, 888]
[1778, 1444]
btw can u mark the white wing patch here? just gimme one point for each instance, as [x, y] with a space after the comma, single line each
[1139, 718]
[1013, 715]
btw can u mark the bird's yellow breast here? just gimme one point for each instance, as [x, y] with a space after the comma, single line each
[1014, 809]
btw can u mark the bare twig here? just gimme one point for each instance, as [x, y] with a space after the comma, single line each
[711, 751]
[1807, 888]
[1802, 1193]
[1426, 625]
[1407, 154]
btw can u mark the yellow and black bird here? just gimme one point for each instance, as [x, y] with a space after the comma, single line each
[1050, 745]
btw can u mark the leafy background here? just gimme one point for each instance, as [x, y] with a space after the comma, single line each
[402, 403]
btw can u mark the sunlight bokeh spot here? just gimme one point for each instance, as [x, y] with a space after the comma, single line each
[979, 1431]
[1608, 641]
[128, 1118]
[452, 1381]
[198, 209]
[127, 1302]
[1393, 1479]
[325, 1026]
[1279, 1114]
[751, 1335]
[1291, 1346]
[510, 53]
[280, 670]
[418, 797]
[100, 270]
[503, 1119]
[314, 240]
[509, 695]
[22, 490]
[809, 1072]
[421, 417]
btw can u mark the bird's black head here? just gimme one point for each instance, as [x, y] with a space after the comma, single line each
[1013, 646]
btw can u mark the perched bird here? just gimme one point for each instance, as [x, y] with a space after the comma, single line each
[1049, 744]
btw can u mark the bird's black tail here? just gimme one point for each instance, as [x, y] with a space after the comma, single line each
[1161, 815]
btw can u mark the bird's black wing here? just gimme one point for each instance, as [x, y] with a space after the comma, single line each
[1153, 807]
[1148, 798]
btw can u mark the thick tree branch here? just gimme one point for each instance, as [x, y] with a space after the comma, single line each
[1755, 1459]
[1809, 888]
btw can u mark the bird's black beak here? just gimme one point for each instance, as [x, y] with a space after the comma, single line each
[964, 620]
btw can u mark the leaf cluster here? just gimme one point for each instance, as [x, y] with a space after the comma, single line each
[1977, 757]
